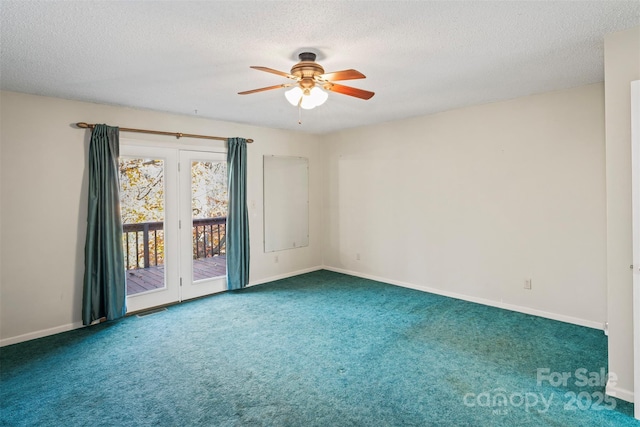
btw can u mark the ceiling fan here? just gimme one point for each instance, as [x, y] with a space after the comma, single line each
[310, 77]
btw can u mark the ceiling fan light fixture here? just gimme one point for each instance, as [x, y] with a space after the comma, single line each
[310, 80]
[318, 96]
[307, 102]
[293, 95]
[307, 98]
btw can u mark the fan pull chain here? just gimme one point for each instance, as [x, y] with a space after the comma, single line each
[300, 111]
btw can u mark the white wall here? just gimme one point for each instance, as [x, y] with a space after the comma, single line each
[467, 203]
[44, 198]
[472, 202]
[622, 65]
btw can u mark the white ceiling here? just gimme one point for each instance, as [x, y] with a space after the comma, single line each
[420, 57]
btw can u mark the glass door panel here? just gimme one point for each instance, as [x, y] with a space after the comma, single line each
[142, 209]
[209, 217]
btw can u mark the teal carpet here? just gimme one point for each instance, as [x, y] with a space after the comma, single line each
[321, 349]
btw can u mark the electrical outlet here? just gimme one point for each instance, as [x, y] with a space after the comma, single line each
[275, 259]
[527, 284]
[357, 257]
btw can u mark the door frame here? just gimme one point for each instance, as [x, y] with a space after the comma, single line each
[135, 147]
[635, 179]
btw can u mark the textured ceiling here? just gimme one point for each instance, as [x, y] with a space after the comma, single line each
[420, 57]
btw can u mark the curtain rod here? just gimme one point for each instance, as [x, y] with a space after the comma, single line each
[178, 135]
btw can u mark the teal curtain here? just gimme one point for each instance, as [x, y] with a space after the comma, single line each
[104, 274]
[237, 218]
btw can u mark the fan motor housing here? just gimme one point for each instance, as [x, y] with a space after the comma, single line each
[307, 69]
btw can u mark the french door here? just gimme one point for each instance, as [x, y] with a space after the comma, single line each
[203, 223]
[174, 208]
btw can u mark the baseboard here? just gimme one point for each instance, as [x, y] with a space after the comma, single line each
[520, 309]
[40, 334]
[72, 326]
[619, 393]
[285, 275]
[498, 304]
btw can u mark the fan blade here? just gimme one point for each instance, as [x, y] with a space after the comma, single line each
[342, 75]
[348, 90]
[272, 71]
[262, 89]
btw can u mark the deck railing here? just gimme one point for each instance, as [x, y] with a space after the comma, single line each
[143, 243]
[209, 237]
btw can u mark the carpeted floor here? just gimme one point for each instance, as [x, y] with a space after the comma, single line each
[321, 349]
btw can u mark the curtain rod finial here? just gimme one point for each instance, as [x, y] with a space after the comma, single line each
[83, 125]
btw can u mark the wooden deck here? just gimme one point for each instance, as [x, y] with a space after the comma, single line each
[148, 279]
